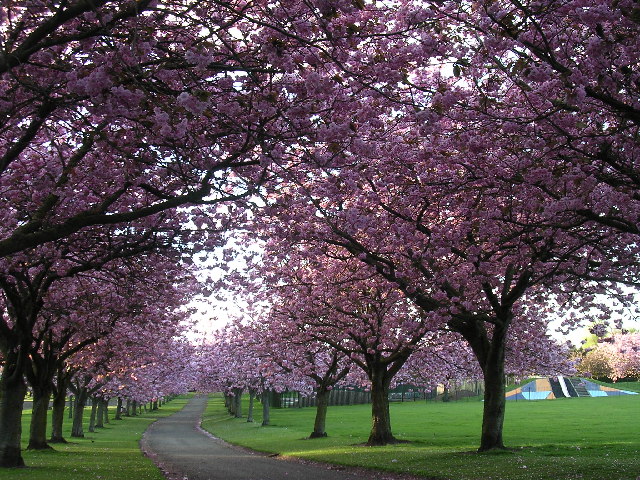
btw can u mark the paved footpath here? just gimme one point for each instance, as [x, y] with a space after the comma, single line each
[185, 452]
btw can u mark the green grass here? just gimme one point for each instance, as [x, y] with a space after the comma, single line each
[629, 386]
[586, 438]
[111, 453]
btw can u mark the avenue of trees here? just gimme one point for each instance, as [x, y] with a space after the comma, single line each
[427, 183]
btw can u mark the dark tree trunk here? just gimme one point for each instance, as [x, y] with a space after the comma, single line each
[105, 411]
[38, 427]
[99, 413]
[12, 393]
[92, 416]
[118, 409]
[322, 403]
[252, 397]
[489, 349]
[78, 413]
[237, 401]
[380, 417]
[57, 416]
[265, 407]
[494, 394]
[128, 409]
[445, 395]
[134, 408]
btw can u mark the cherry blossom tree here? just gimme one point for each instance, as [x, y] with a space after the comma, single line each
[415, 177]
[156, 370]
[311, 363]
[437, 232]
[236, 359]
[615, 357]
[35, 340]
[480, 157]
[141, 360]
[558, 80]
[352, 312]
[115, 113]
[100, 105]
[116, 110]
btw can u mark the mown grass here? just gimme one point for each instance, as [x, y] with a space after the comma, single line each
[575, 438]
[111, 453]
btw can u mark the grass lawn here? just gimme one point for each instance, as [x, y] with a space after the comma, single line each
[111, 453]
[573, 438]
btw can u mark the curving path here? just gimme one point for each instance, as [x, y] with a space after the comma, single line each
[185, 452]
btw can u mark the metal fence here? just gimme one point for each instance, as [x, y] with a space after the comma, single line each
[465, 391]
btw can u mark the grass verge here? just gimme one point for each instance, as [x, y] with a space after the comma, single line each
[573, 438]
[111, 453]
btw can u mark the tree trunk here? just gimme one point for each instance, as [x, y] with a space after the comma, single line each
[38, 427]
[78, 413]
[128, 410]
[92, 416]
[100, 413]
[229, 403]
[105, 411]
[322, 402]
[71, 406]
[237, 400]
[380, 417]
[57, 416]
[12, 393]
[118, 409]
[252, 396]
[494, 395]
[265, 408]
[445, 394]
